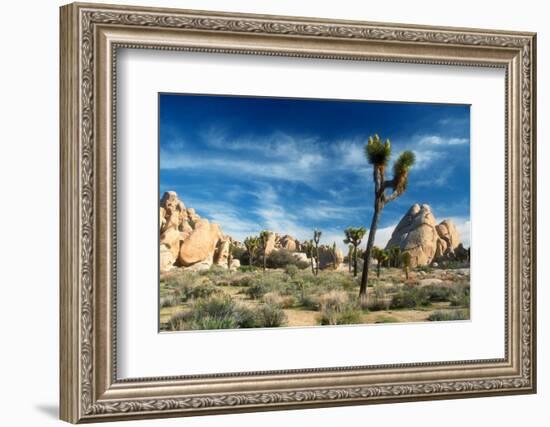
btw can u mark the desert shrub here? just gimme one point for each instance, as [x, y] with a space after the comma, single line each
[168, 300]
[345, 315]
[378, 301]
[243, 281]
[410, 298]
[217, 312]
[282, 257]
[333, 300]
[438, 293]
[424, 268]
[335, 281]
[291, 270]
[461, 299]
[350, 316]
[202, 290]
[245, 317]
[309, 301]
[247, 268]
[283, 301]
[270, 316]
[214, 270]
[336, 309]
[264, 283]
[447, 315]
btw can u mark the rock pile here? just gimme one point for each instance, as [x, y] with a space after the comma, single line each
[187, 240]
[419, 234]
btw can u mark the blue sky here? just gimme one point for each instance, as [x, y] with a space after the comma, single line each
[292, 165]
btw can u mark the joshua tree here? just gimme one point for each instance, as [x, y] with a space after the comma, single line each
[381, 256]
[264, 238]
[406, 259]
[333, 253]
[309, 249]
[378, 154]
[351, 252]
[230, 255]
[353, 237]
[394, 253]
[251, 244]
[316, 239]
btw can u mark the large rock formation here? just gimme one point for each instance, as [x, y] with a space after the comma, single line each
[186, 239]
[330, 257]
[419, 234]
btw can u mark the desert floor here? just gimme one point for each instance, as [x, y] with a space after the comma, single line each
[218, 299]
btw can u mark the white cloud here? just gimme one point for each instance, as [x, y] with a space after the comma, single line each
[225, 215]
[463, 227]
[440, 140]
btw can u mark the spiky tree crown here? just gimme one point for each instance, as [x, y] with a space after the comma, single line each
[264, 237]
[379, 254]
[401, 170]
[354, 235]
[317, 235]
[251, 243]
[406, 258]
[378, 152]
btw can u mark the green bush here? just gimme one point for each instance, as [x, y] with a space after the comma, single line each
[346, 315]
[410, 298]
[168, 301]
[282, 257]
[217, 312]
[447, 315]
[460, 299]
[270, 316]
[291, 270]
[247, 268]
[378, 301]
[438, 293]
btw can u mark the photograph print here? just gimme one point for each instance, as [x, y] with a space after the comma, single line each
[291, 212]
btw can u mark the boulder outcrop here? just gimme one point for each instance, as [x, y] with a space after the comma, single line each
[186, 239]
[419, 234]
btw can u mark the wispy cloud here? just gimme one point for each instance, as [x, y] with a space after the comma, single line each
[441, 140]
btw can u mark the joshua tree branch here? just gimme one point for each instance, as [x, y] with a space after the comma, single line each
[394, 195]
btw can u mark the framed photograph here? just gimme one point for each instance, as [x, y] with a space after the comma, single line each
[266, 212]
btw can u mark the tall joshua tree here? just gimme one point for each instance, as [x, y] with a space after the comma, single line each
[351, 253]
[309, 249]
[394, 253]
[230, 255]
[251, 244]
[264, 238]
[406, 258]
[354, 235]
[378, 154]
[381, 256]
[316, 239]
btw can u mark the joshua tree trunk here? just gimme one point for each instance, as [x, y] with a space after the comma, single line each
[316, 259]
[368, 251]
[312, 268]
[355, 261]
[378, 154]
[407, 272]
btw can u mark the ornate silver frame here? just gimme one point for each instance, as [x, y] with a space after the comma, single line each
[90, 36]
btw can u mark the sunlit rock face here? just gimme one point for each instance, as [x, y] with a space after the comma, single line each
[419, 234]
